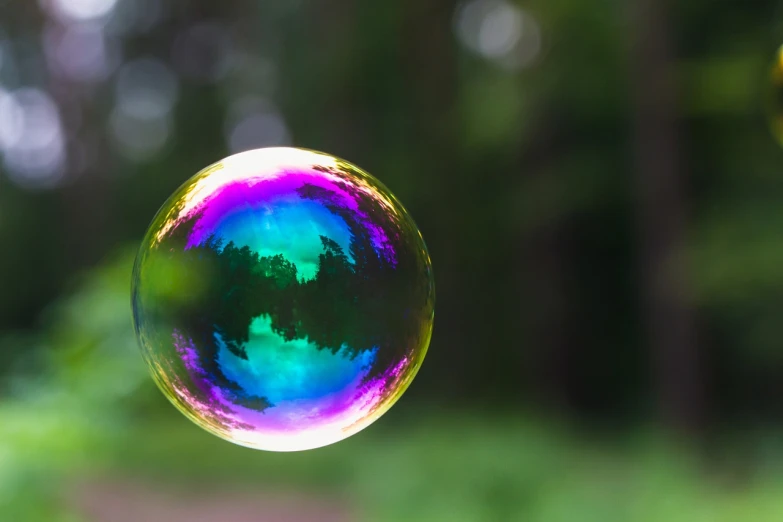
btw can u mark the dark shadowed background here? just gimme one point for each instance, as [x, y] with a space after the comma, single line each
[597, 184]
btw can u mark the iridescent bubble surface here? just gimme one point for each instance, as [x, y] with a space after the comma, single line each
[283, 299]
[775, 97]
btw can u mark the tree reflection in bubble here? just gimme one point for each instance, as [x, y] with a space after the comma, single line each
[283, 299]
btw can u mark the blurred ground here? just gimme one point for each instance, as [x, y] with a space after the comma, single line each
[113, 500]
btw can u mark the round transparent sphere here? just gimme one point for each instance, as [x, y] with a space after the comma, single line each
[283, 299]
[775, 97]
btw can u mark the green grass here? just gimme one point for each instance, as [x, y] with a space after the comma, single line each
[89, 409]
[462, 469]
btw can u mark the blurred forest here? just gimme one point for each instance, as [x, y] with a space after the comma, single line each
[599, 190]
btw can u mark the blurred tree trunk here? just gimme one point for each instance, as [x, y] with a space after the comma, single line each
[549, 328]
[429, 60]
[662, 214]
[336, 32]
[86, 202]
[86, 197]
[544, 253]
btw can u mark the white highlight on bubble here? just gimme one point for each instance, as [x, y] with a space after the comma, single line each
[499, 31]
[32, 138]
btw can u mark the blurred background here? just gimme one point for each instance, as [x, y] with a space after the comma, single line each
[598, 186]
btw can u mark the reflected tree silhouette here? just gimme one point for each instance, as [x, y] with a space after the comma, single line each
[368, 300]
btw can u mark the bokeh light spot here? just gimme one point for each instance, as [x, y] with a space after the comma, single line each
[146, 88]
[80, 52]
[32, 138]
[82, 10]
[254, 123]
[141, 123]
[499, 31]
[139, 139]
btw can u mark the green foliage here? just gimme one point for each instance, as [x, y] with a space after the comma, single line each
[58, 418]
[95, 412]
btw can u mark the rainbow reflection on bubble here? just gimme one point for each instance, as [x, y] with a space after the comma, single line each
[283, 299]
[775, 97]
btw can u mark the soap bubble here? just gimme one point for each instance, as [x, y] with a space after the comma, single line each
[775, 97]
[283, 299]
